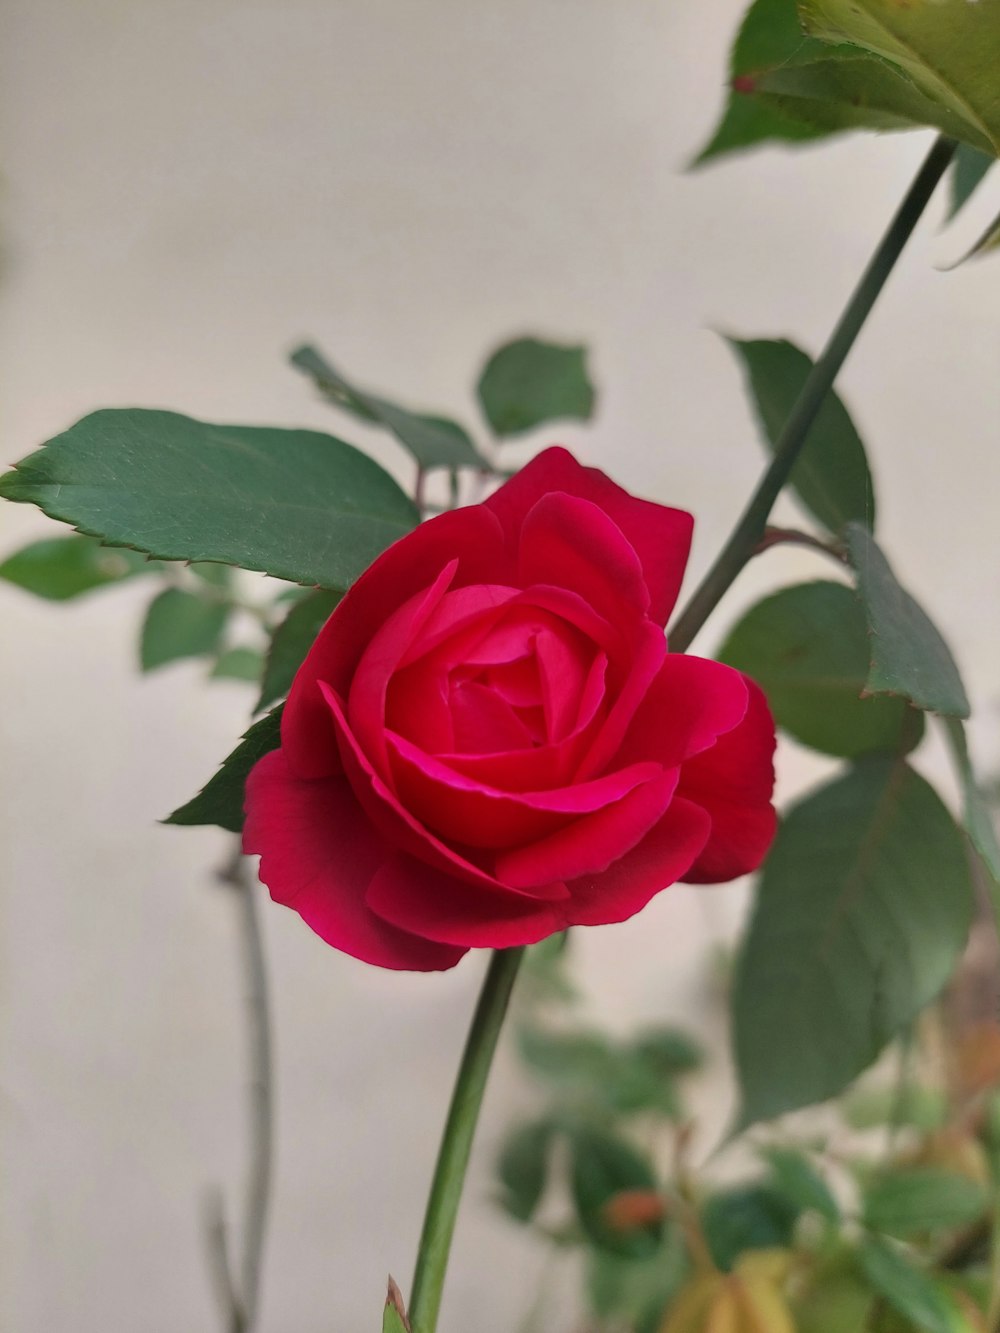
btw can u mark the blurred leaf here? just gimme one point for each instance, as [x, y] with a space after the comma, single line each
[60, 568]
[591, 1070]
[215, 575]
[528, 383]
[910, 1202]
[905, 1287]
[862, 911]
[988, 241]
[749, 1217]
[294, 503]
[925, 1109]
[967, 172]
[770, 35]
[180, 624]
[978, 818]
[668, 1050]
[807, 647]
[238, 663]
[433, 441]
[636, 1291]
[950, 50]
[220, 801]
[831, 476]
[834, 1299]
[579, 1059]
[522, 1167]
[908, 654]
[291, 641]
[603, 1166]
[794, 1176]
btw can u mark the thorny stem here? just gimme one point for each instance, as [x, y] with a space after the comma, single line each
[239, 1298]
[750, 528]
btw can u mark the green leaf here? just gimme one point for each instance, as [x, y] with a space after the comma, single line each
[294, 503]
[908, 1203]
[949, 49]
[967, 172]
[925, 1109]
[849, 88]
[987, 242]
[977, 816]
[522, 1167]
[794, 1176]
[835, 1300]
[528, 383]
[240, 663]
[906, 1288]
[292, 640]
[750, 1217]
[572, 1059]
[433, 441]
[180, 624]
[394, 1318]
[807, 647]
[831, 476]
[669, 1051]
[220, 801]
[862, 911]
[770, 35]
[636, 1292]
[60, 568]
[908, 655]
[215, 575]
[603, 1166]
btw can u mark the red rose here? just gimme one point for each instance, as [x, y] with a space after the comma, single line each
[489, 741]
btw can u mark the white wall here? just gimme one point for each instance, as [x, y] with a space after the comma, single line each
[188, 190]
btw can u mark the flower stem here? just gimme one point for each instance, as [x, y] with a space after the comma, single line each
[456, 1141]
[750, 528]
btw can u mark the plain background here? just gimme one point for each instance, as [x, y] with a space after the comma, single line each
[189, 189]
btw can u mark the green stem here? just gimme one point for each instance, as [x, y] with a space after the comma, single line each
[456, 1141]
[750, 528]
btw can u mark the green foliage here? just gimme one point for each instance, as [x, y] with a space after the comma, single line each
[221, 800]
[239, 663]
[967, 171]
[795, 1178]
[60, 568]
[948, 49]
[433, 441]
[770, 35]
[903, 1286]
[831, 475]
[836, 1300]
[394, 1318]
[924, 1109]
[635, 1292]
[291, 641]
[978, 819]
[749, 1217]
[862, 910]
[180, 624]
[807, 647]
[604, 1166]
[911, 1202]
[522, 1167]
[528, 383]
[908, 655]
[296, 504]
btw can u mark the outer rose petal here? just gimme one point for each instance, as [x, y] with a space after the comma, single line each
[318, 854]
[686, 708]
[663, 856]
[661, 537]
[734, 782]
[410, 894]
[472, 534]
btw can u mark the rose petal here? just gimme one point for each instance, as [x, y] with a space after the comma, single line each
[592, 842]
[367, 698]
[691, 702]
[734, 782]
[472, 534]
[459, 808]
[318, 854]
[663, 856]
[400, 829]
[407, 892]
[660, 537]
[574, 544]
[648, 653]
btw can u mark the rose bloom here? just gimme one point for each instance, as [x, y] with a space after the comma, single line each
[489, 741]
